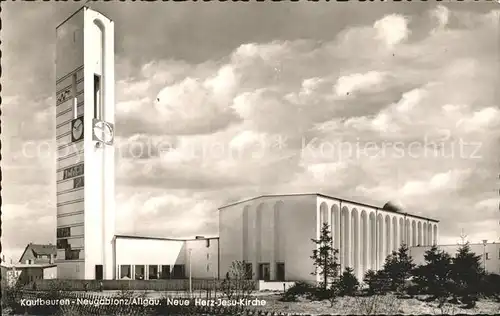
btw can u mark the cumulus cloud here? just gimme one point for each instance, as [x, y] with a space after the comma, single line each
[354, 82]
[450, 181]
[392, 29]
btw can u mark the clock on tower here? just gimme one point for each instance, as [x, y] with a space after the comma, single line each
[77, 129]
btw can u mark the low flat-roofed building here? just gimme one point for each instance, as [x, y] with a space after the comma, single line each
[148, 258]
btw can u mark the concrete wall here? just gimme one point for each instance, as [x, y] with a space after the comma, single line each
[50, 273]
[274, 286]
[269, 230]
[131, 253]
[204, 258]
[492, 264]
[149, 251]
[99, 161]
[70, 270]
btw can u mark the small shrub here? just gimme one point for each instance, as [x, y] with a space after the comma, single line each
[238, 283]
[491, 285]
[370, 280]
[348, 283]
[11, 296]
[444, 308]
[377, 281]
[125, 292]
[319, 293]
[413, 290]
[297, 290]
[375, 305]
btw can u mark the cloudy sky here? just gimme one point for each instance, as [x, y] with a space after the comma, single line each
[220, 102]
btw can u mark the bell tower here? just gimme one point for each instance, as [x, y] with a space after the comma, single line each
[85, 152]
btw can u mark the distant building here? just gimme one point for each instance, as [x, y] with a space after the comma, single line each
[38, 254]
[25, 273]
[37, 262]
[489, 252]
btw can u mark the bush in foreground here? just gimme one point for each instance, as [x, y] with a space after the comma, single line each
[299, 289]
[348, 283]
[375, 305]
[434, 277]
[491, 286]
[466, 274]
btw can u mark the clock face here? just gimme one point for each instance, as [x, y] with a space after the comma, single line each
[77, 129]
[103, 132]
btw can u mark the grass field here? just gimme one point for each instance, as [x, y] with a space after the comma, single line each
[388, 305]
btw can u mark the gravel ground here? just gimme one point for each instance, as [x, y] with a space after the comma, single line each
[376, 305]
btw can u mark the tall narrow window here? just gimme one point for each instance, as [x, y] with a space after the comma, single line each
[248, 271]
[280, 271]
[73, 93]
[97, 97]
[264, 272]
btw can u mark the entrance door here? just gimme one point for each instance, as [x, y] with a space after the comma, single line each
[280, 271]
[264, 272]
[98, 272]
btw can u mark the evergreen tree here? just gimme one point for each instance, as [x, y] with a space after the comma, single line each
[371, 279]
[325, 257]
[434, 277]
[467, 273]
[348, 283]
[398, 268]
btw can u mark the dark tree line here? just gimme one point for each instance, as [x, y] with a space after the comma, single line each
[442, 277]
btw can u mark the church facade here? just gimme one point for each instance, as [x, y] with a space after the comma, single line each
[273, 234]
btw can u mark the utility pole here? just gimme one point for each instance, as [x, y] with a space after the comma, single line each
[484, 253]
[190, 278]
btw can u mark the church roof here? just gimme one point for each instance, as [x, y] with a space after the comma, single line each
[393, 207]
[390, 207]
